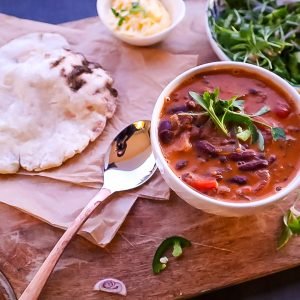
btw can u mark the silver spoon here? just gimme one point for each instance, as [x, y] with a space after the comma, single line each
[129, 163]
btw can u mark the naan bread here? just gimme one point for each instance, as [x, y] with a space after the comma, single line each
[53, 102]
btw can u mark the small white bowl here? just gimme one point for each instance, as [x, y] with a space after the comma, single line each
[188, 194]
[176, 9]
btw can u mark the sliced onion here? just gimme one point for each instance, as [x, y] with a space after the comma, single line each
[111, 285]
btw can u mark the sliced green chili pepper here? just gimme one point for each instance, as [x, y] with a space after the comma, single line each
[174, 242]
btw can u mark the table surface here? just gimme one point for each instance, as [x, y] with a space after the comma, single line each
[284, 285]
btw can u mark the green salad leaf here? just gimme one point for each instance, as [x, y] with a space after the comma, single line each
[262, 33]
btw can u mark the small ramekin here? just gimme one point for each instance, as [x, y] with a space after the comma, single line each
[191, 196]
[176, 9]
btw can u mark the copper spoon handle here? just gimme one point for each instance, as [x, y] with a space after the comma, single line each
[35, 287]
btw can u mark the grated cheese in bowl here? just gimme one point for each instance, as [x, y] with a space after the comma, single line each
[139, 18]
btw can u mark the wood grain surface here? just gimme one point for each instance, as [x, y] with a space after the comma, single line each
[225, 251]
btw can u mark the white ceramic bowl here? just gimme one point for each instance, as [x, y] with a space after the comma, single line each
[191, 196]
[176, 9]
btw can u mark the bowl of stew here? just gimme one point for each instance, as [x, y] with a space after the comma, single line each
[226, 137]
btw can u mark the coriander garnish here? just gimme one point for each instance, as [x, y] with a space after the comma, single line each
[123, 13]
[291, 225]
[223, 112]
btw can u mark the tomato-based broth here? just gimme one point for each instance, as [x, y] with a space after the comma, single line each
[241, 165]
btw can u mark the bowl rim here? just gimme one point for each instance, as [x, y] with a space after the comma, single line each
[100, 9]
[275, 79]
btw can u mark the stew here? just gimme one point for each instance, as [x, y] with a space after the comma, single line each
[231, 135]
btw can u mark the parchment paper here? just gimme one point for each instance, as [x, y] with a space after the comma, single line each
[57, 196]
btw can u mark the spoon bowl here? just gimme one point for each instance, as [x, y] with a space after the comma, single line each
[128, 163]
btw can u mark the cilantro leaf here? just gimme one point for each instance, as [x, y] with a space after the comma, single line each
[262, 111]
[291, 225]
[121, 21]
[278, 133]
[239, 104]
[123, 13]
[285, 236]
[115, 13]
[244, 135]
[260, 141]
[210, 103]
[225, 112]
[239, 118]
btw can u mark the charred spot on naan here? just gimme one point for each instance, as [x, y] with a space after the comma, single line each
[57, 62]
[112, 90]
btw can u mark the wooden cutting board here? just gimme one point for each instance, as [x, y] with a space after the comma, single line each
[224, 251]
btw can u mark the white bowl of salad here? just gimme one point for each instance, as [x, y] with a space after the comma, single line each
[261, 32]
[143, 22]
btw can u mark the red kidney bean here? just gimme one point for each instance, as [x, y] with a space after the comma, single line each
[164, 125]
[204, 146]
[254, 165]
[166, 136]
[272, 158]
[165, 133]
[242, 156]
[252, 91]
[223, 159]
[181, 164]
[238, 179]
[177, 108]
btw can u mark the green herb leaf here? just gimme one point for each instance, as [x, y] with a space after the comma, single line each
[135, 4]
[116, 14]
[293, 222]
[291, 225]
[222, 112]
[174, 242]
[194, 114]
[278, 133]
[244, 135]
[240, 118]
[262, 111]
[294, 65]
[239, 104]
[121, 21]
[198, 99]
[260, 141]
[210, 102]
[285, 236]
[123, 13]
[136, 8]
[261, 33]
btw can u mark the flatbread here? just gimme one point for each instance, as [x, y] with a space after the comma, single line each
[53, 102]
